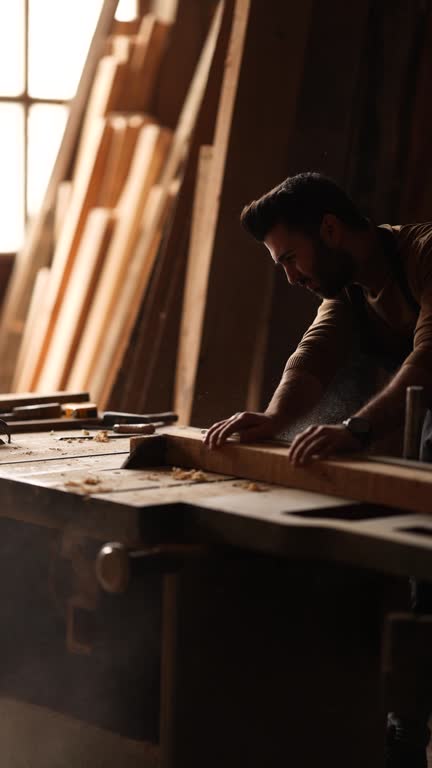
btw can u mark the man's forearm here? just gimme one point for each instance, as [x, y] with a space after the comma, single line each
[386, 410]
[296, 394]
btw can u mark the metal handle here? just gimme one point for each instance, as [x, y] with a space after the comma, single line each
[116, 565]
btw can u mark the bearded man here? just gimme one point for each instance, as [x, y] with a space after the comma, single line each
[376, 286]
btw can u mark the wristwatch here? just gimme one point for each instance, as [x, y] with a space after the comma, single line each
[360, 428]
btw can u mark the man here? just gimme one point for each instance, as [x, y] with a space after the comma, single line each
[376, 286]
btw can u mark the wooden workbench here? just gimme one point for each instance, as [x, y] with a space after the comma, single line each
[269, 640]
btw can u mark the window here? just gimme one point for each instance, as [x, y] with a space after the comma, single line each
[43, 46]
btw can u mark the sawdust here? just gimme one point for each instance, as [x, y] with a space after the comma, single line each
[247, 485]
[102, 436]
[196, 475]
[88, 485]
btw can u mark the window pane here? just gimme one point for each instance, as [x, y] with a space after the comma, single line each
[61, 32]
[11, 177]
[59, 36]
[11, 47]
[127, 10]
[46, 125]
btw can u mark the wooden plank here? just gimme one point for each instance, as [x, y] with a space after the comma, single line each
[120, 157]
[63, 197]
[147, 53]
[109, 187]
[86, 184]
[109, 83]
[219, 356]
[130, 296]
[118, 46]
[28, 350]
[77, 299]
[193, 292]
[13, 400]
[146, 167]
[382, 484]
[37, 249]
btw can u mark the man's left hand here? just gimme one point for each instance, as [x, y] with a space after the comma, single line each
[320, 441]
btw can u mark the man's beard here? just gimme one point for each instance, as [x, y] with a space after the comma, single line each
[334, 270]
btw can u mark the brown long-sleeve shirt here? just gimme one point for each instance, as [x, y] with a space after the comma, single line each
[393, 323]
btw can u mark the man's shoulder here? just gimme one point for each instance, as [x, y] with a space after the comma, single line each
[420, 233]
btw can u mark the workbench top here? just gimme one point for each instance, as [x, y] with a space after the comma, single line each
[79, 484]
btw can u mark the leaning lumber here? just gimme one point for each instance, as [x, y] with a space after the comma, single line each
[147, 52]
[77, 299]
[27, 349]
[37, 249]
[130, 294]
[86, 185]
[155, 335]
[126, 131]
[149, 158]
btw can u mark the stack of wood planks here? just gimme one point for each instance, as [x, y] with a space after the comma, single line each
[130, 173]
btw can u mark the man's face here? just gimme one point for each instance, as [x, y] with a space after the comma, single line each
[321, 265]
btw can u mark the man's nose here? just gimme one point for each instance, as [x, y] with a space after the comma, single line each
[292, 273]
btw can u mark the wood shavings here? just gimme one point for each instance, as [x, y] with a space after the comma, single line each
[102, 436]
[247, 485]
[88, 485]
[196, 475]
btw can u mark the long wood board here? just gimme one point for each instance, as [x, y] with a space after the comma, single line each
[353, 478]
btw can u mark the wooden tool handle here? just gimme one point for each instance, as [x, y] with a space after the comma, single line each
[116, 565]
[117, 417]
[139, 429]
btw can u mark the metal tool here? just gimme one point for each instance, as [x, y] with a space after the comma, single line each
[4, 429]
[116, 564]
[118, 417]
[119, 430]
[414, 415]
[137, 429]
[31, 412]
[110, 436]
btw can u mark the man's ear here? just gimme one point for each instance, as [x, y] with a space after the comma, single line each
[331, 230]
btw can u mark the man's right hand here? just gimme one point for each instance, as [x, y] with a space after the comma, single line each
[250, 427]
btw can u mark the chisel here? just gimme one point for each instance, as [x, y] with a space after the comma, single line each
[118, 417]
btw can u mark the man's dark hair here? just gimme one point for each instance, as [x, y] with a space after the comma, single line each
[300, 202]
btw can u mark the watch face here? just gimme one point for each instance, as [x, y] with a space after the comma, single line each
[357, 425]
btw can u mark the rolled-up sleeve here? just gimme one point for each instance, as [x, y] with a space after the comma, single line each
[325, 346]
[421, 285]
